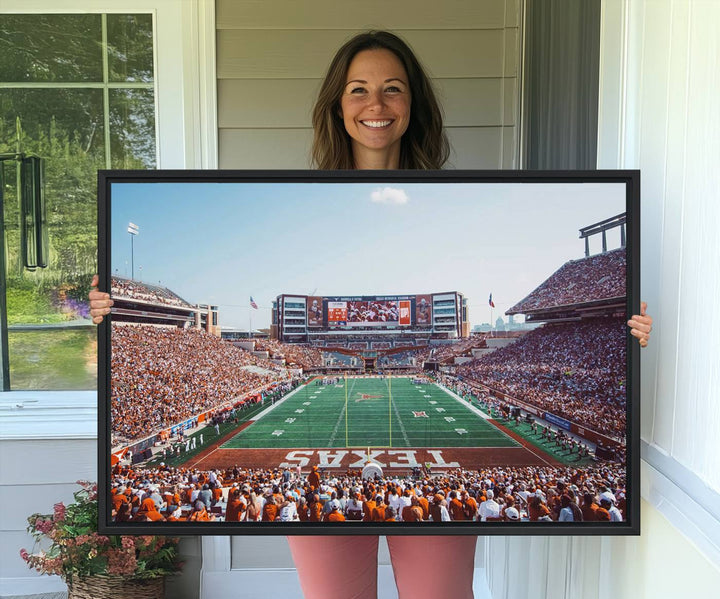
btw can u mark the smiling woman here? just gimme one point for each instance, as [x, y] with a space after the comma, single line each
[375, 108]
[363, 117]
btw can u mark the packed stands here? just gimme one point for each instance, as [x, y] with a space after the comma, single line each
[579, 281]
[574, 370]
[510, 494]
[303, 355]
[447, 352]
[131, 289]
[162, 375]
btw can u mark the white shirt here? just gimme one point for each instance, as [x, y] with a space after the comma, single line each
[394, 502]
[615, 514]
[288, 512]
[566, 515]
[403, 502]
[489, 509]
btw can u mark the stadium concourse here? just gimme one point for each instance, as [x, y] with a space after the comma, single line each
[559, 385]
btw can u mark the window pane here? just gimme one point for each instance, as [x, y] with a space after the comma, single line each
[132, 128]
[65, 127]
[55, 359]
[50, 48]
[130, 48]
[53, 116]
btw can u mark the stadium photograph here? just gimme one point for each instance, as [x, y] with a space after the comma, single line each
[366, 355]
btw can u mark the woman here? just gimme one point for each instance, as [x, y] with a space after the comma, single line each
[377, 110]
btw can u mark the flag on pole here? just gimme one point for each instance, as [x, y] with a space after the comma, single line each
[492, 304]
[252, 303]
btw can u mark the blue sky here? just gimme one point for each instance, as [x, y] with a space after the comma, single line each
[220, 243]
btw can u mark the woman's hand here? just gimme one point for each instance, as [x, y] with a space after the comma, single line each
[641, 325]
[100, 302]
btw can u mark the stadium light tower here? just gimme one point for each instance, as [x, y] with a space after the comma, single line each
[134, 230]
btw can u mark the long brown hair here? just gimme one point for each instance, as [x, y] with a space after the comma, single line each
[424, 144]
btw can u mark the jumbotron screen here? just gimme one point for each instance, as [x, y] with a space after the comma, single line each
[363, 312]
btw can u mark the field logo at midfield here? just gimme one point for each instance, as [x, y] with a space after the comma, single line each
[366, 397]
[420, 415]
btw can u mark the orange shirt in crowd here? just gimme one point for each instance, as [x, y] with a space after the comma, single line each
[590, 513]
[455, 507]
[424, 506]
[315, 511]
[335, 516]
[368, 507]
[378, 514]
[270, 512]
[471, 508]
[235, 510]
[534, 513]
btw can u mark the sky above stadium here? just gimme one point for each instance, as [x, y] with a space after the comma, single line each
[221, 243]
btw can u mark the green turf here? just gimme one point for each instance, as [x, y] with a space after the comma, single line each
[316, 417]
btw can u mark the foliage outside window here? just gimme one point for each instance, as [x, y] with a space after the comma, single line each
[78, 91]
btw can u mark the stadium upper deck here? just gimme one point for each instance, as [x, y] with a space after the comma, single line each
[589, 286]
[139, 302]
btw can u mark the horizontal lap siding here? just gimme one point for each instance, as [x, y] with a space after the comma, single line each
[306, 54]
[271, 60]
[351, 14]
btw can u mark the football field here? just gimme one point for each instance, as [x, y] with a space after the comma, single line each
[370, 412]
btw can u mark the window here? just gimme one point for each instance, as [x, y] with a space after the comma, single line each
[78, 91]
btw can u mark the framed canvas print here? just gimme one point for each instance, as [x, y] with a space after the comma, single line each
[369, 352]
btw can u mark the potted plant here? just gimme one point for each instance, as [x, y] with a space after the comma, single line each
[93, 566]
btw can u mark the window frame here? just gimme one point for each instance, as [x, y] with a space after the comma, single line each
[185, 128]
[185, 30]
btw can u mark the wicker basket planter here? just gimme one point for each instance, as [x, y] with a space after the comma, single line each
[112, 587]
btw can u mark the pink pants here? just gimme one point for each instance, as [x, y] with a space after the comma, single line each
[332, 567]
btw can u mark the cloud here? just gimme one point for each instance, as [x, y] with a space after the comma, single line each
[389, 195]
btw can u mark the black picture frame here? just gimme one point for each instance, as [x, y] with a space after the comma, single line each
[629, 179]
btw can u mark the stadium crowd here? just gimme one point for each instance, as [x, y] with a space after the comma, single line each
[305, 356]
[162, 376]
[573, 370]
[585, 280]
[131, 289]
[447, 352]
[510, 494]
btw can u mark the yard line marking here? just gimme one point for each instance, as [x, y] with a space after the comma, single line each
[400, 423]
[337, 426]
[479, 412]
